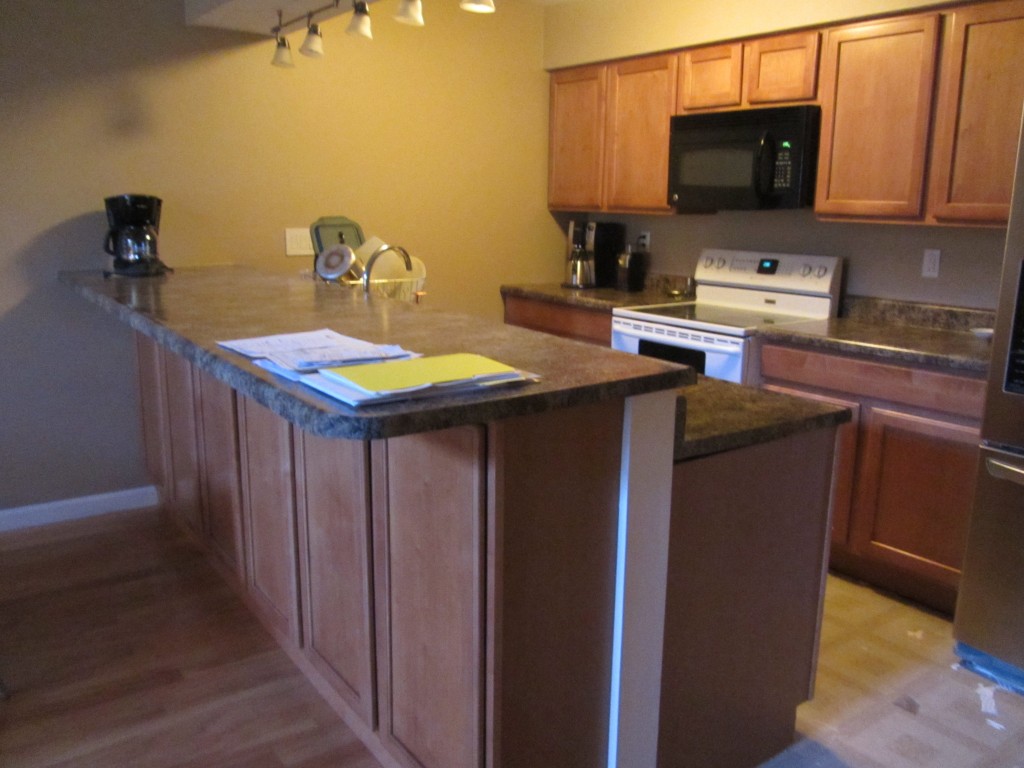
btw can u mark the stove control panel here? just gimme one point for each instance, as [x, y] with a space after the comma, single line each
[783, 272]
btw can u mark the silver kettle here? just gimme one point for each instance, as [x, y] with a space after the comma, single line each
[579, 269]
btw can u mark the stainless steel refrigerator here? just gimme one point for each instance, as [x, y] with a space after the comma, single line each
[989, 621]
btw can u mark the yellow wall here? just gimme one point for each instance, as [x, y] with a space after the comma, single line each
[582, 31]
[432, 138]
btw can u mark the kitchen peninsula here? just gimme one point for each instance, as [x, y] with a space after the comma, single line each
[468, 579]
[489, 579]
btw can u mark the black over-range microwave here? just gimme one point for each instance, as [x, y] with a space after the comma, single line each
[744, 160]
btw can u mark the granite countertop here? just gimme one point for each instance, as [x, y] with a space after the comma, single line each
[190, 310]
[903, 333]
[603, 299]
[720, 416]
[959, 351]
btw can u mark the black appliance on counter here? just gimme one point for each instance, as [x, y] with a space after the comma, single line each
[989, 620]
[747, 159]
[134, 222]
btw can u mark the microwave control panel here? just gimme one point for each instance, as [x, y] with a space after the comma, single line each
[784, 166]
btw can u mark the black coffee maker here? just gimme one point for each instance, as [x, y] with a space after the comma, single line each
[134, 223]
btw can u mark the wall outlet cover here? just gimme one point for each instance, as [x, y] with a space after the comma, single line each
[297, 242]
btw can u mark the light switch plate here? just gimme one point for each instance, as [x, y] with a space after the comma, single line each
[930, 262]
[297, 242]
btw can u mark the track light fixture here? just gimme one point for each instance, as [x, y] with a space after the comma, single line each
[477, 6]
[282, 50]
[409, 12]
[360, 24]
[313, 45]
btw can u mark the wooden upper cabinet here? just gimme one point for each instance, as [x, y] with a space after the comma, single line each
[577, 138]
[978, 113]
[640, 98]
[876, 96]
[759, 72]
[781, 68]
[710, 77]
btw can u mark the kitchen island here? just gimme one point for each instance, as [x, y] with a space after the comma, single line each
[550, 574]
[471, 580]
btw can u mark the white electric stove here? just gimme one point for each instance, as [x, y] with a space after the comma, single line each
[738, 294]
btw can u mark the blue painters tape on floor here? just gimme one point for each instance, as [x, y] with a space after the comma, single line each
[1006, 675]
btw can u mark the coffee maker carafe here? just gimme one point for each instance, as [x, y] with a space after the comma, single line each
[134, 222]
[579, 264]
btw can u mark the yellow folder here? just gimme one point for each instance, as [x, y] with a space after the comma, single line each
[422, 372]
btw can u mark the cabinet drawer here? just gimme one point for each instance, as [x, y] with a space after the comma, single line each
[918, 387]
[572, 322]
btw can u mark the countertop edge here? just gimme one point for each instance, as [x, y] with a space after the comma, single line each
[363, 423]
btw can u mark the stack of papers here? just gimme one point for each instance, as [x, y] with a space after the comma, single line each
[414, 378]
[293, 354]
[360, 373]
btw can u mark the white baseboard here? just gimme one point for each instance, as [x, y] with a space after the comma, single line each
[73, 509]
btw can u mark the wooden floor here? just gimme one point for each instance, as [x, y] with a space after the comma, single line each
[122, 647]
[890, 694]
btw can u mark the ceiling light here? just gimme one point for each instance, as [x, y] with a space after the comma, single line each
[313, 45]
[360, 24]
[410, 12]
[477, 6]
[282, 53]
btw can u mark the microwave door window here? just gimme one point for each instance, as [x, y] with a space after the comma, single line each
[717, 167]
[710, 178]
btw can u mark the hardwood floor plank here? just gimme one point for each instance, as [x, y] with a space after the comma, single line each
[123, 647]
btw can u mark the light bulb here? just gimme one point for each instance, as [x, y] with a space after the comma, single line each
[360, 24]
[282, 53]
[477, 6]
[313, 45]
[410, 12]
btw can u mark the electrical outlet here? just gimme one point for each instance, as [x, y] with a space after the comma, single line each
[643, 243]
[297, 242]
[930, 262]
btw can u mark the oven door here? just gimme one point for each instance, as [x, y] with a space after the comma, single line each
[716, 355]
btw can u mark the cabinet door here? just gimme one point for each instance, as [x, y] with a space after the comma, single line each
[915, 488]
[710, 77]
[335, 557]
[577, 139]
[220, 476]
[268, 494]
[578, 323]
[184, 499]
[153, 402]
[876, 103]
[781, 68]
[429, 512]
[978, 113]
[640, 95]
[845, 460]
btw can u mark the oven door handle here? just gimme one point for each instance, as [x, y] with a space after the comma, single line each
[1004, 471]
[694, 344]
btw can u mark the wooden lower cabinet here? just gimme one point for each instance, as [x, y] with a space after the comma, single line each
[271, 536]
[183, 492]
[429, 528]
[220, 475]
[912, 461]
[916, 489]
[449, 592]
[580, 323]
[743, 609]
[336, 558]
